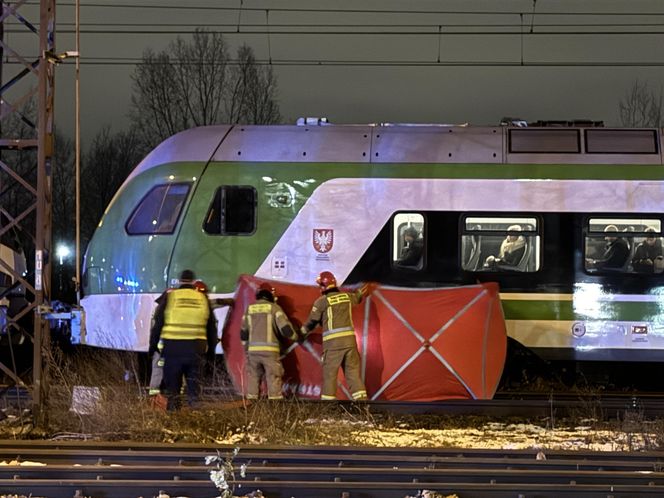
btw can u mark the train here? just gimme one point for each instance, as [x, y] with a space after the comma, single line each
[285, 202]
[13, 267]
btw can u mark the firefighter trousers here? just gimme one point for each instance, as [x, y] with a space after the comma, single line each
[349, 360]
[268, 363]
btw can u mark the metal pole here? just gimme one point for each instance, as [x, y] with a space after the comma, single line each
[78, 156]
[43, 256]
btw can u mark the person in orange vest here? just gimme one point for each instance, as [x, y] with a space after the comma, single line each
[333, 310]
[262, 324]
[186, 326]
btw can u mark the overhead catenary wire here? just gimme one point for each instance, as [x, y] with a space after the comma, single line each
[639, 24]
[433, 31]
[357, 25]
[132, 61]
[358, 11]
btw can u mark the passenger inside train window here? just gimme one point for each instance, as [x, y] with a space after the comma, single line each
[616, 252]
[648, 257]
[411, 252]
[512, 250]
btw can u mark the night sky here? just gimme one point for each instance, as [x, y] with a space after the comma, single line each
[577, 63]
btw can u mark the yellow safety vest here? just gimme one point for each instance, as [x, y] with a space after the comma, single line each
[186, 315]
[339, 316]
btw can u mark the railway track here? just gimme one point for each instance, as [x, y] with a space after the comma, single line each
[124, 470]
[538, 405]
[504, 404]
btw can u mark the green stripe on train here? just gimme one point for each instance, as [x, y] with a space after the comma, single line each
[566, 310]
[221, 259]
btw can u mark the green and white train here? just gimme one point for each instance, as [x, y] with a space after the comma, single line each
[287, 202]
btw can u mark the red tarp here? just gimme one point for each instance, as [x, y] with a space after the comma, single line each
[415, 344]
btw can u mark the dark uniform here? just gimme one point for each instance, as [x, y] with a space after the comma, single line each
[186, 325]
[262, 323]
[333, 310]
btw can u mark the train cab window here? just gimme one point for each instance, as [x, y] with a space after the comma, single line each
[500, 244]
[624, 246]
[408, 241]
[159, 210]
[232, 211]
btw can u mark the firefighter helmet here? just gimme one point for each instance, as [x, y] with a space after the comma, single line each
[326, 280]
[200, 286]
[266, 291]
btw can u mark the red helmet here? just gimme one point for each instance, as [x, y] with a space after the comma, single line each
[200, 286]
[326, 280]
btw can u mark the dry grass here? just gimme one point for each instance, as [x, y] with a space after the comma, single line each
[123, 412]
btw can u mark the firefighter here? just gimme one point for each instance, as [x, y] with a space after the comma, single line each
[184, 322]
[262, 324]
[333, 310]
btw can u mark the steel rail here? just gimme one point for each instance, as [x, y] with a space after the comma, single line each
[306, 473]
[66, 488]
[494, 460]
[88, 468]
[106, 453]
[504, 404]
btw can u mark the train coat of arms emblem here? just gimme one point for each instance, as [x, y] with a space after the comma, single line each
[323, 239]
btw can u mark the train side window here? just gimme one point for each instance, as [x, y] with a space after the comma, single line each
[606, 141]
[408, 238]
[547, 141]
[232, 211]
[500, 244]
[624, 245]
[159, 210]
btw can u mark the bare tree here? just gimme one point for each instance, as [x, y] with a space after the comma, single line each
[641, 107]
[154, 101]
[251, 94]
[195, 83]
[201, 72]
[63, 190]
[110, 159]
[63, 205]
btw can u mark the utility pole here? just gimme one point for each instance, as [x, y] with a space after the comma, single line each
[2, 57]
[77, 163]
[43, 253]
[31, 211]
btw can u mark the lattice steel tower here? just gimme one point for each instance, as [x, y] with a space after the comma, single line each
[25, 171]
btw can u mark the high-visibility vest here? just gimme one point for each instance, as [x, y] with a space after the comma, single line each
[186, 315]
[265, 320]
[334, 311]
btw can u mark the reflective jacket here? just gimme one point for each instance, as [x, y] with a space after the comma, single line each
[263, 322]
[333, 310]
[201, 303]
[186, 315]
